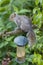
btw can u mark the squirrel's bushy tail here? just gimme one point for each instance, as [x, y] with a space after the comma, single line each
[31, 38]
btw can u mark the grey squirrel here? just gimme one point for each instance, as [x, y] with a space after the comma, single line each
[24, 23]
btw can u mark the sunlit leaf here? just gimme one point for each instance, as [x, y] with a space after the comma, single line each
[24, 11]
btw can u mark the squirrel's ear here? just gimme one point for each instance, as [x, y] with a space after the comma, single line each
[14, 14]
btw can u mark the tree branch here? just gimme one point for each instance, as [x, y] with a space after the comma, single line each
[14, 32]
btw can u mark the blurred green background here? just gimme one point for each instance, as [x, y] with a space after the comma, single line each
[31, 8]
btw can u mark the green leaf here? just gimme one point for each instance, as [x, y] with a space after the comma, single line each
[12, 44]
[37, 2]
[41, 1]
[24, 11]
[3, 44]
[12, 54]
[15, 8]
[9, 39]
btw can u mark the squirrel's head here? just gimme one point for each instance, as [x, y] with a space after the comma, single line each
[12, 17]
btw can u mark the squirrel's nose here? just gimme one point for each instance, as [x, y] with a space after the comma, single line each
[9, 18]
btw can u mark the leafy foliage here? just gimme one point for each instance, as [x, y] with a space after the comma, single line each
[31, 8]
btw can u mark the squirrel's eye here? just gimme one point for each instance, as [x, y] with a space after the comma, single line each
[12, 17]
